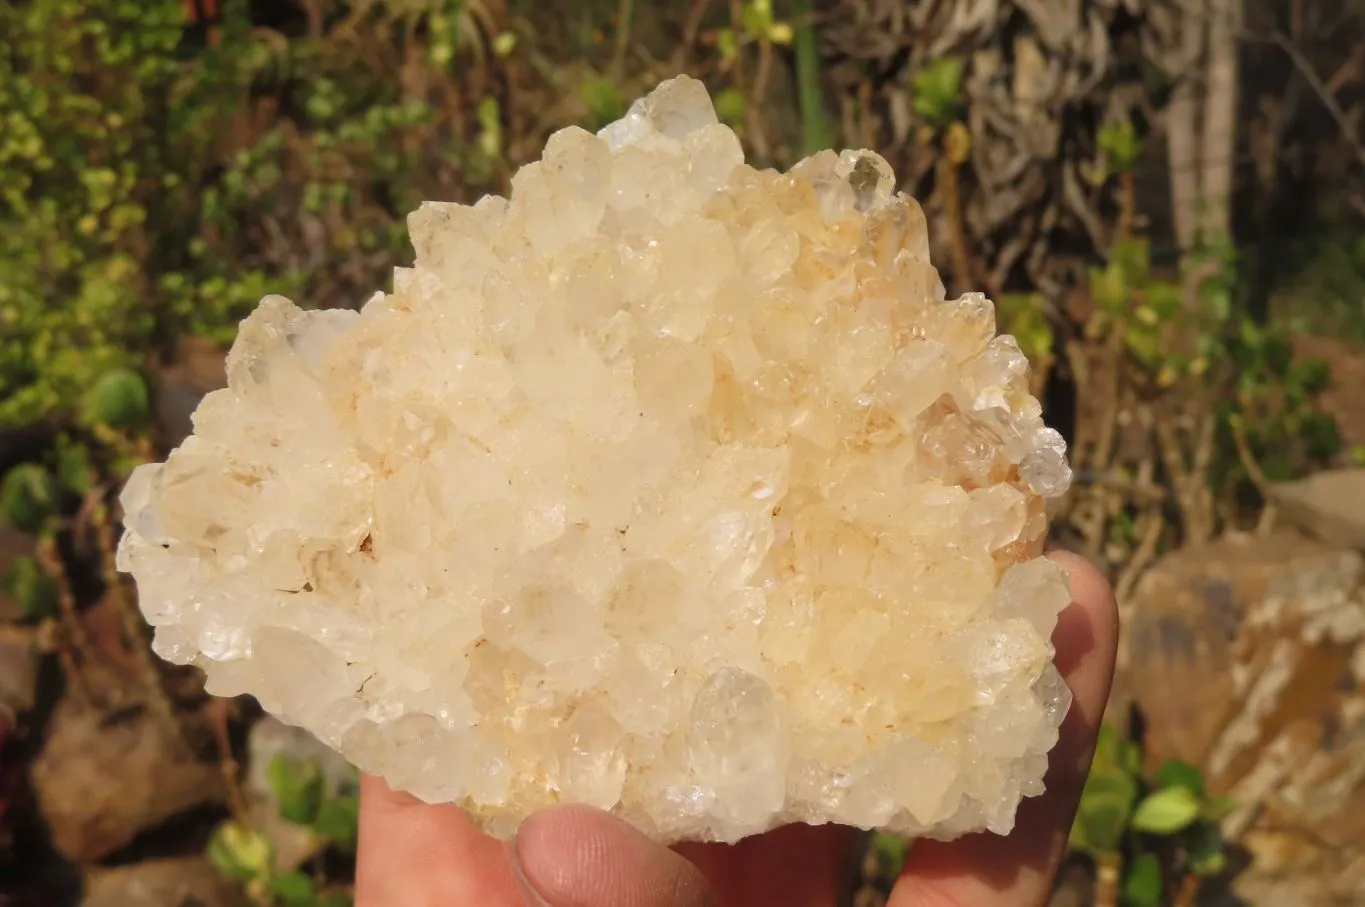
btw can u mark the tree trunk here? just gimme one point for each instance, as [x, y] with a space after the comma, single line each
[1182, 125]
[1219, 146]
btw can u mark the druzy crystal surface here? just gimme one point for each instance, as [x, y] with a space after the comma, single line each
[666, 485]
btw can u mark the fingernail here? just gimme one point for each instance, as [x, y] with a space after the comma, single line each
[528, 891]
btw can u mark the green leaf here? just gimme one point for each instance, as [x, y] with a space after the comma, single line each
[891, 851]
[74, 466]
[1110, 289]
[1204, 849]
[1134, 259]
[1277, 355]
[1142, 885]
[335, 899]
[757, 18]
[119, 399]
[29, 585]
[338, 820]
[731, 107]
[1103, 823]
[295, 889]
[1107, 800]
[1119, 143]
[298, 786]
[240, 853]
[28, 497]
[1167, 811]
[1311, 375]
[1216, 809]
[938, 91]
[1164, 299]
[603, 99]
[1175, 773]
[1320, 434]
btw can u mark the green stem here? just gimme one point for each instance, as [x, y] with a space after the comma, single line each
[815, 132]
[625, 15]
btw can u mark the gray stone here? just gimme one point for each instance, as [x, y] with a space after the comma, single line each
[1246, 657]
[1328, 505]
[177, 882]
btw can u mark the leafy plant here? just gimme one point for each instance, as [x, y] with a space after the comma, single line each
[303, 797]
[34, 590]
[1024, 316]
[28, 497]
[938, 92]
[1144, 832]
[1193, 338]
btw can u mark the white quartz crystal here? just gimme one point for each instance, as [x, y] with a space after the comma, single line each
[666, 485]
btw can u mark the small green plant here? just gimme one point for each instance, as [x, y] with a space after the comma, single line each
[890, 852]
[34, 590]
[1024, 316]
[304, 798]
[29, 497]
[1120, 148]
[938, 92]
[1148, 837]
[1265, 400]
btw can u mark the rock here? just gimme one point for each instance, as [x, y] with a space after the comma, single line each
[178, 882]
[1245, 658]
[1329, 505]
[102, 777]
[19, 665]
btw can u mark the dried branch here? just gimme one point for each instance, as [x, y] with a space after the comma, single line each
[1329, 101]
[1257, 476]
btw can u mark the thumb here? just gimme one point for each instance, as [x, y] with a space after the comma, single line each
[577, 856]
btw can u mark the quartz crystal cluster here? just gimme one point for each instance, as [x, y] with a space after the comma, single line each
[666, 485]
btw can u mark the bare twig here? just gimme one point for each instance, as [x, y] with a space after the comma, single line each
[1257, 476]
[130, 621]
[1154, 524]
[73, 643]
[1188, 895]
[1107, 872]
[1329, 101]
[691, 27]
[758, 134]
[219, 714]
[625, 16]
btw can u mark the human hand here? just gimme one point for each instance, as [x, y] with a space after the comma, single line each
[413, 854]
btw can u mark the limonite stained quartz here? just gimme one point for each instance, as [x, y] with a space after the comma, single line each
[666, 485]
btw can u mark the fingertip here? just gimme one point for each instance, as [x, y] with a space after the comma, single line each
[1089, 588]
[578, 856]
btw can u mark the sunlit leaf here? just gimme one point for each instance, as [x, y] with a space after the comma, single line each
[298, 787]
[1166, 811]
[239, 852]
[28, 497]
[1176, 773]
[295, 889]
[119, 399]
[29, 585]
[1205, 849]
[1142, 884]
[338, 820]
